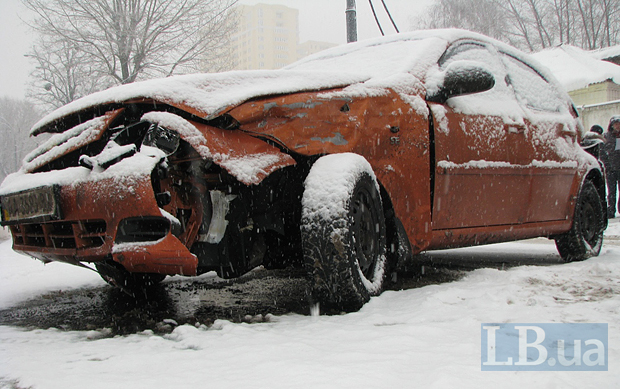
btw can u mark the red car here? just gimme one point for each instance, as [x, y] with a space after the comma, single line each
[346, 162]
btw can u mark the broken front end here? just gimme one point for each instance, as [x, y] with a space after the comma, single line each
[143, 191]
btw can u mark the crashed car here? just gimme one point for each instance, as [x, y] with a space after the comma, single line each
[349, 162]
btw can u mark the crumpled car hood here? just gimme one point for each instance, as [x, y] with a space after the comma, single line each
[206, 95]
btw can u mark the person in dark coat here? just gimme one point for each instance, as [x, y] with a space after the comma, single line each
[611, 158]
[593, 141]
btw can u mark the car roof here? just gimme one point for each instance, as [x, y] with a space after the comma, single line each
[208, 95]
[430, 42]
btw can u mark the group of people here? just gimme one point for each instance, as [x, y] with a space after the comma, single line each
[609, 154]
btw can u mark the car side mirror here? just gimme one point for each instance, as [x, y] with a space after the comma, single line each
[462, 78]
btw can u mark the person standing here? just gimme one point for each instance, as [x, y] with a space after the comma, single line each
[611, 158]
[593, 141]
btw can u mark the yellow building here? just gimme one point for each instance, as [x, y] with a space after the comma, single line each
[268, 38]
[597, 93]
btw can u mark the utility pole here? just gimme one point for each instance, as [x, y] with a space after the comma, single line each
[351, 21]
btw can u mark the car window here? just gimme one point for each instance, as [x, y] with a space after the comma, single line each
[464, 51]
[532, 90]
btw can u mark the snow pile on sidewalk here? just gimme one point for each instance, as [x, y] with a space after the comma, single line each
[426, 338]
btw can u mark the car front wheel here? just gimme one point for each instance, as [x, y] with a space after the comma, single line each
[343, 232]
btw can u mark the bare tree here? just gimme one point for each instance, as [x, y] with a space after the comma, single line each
[531, 20]
[483, 16]
[62, 73]
[534, 24]
[521, 32]
[599, 21]
[16, 118]
[564, 17]
[121, 41]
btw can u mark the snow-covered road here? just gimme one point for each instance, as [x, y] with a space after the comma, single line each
[427, 337]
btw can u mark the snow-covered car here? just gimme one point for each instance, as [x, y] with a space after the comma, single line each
[346, 162]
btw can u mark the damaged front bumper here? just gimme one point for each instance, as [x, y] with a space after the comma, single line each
[115, 216]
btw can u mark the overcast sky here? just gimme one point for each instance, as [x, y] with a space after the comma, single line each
[320, 20]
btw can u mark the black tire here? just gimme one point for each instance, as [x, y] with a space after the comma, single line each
[585, 238]
[400, 254]
[344, 249]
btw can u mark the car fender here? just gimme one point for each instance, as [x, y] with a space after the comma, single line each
[245, 157]
[384, 128]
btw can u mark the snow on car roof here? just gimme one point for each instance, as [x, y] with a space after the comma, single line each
[400, 54]
[446, 36]
[576, 68]
[344, 65]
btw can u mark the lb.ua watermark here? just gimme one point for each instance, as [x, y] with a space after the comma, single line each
[544, 347]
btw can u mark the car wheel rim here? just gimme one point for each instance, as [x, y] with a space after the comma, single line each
[588, 223]
[365, 231]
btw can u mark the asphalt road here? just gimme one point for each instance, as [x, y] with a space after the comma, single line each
[251, 298]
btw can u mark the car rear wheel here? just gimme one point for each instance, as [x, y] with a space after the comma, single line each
[585, 238]
[343, 233]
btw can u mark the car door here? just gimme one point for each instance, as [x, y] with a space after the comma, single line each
[480, 149]
[551, 130]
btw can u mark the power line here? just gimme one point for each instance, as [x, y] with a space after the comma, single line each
[376, 19]
[390, 15]
[372, 7]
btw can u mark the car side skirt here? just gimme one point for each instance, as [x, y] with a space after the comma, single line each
[462, 237]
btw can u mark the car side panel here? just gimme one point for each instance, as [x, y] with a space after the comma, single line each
[479, 180]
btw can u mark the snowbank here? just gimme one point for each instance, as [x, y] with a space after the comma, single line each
[22, 278]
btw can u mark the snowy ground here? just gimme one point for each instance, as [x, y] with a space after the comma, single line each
[419, 338]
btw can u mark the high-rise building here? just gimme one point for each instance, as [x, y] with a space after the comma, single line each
[268, 38]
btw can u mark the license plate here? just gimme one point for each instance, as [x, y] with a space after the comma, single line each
[34, 205]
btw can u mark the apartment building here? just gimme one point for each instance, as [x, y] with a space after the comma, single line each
[268, 38]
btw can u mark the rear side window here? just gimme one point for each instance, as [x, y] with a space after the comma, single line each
[532, 90]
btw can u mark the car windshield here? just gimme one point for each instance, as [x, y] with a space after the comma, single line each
[375, 60]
